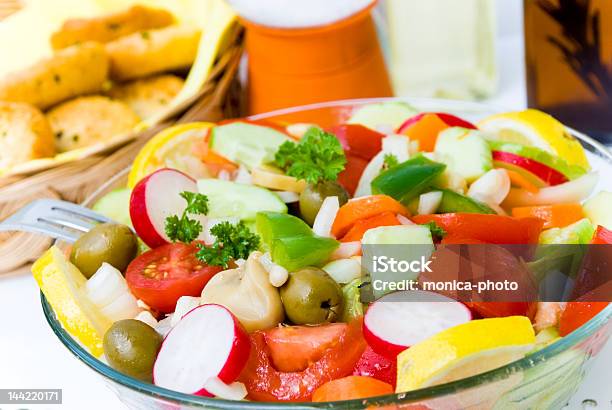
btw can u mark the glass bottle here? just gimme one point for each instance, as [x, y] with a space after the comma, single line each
[568, 47]
[442, 48]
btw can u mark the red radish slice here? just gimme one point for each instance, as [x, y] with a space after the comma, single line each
[448, 119]
[401, 319]
[155, 198]
[548, 175]
[207, 343]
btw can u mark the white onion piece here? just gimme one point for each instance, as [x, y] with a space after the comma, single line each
[288, 196]
[164, 326]
[224, 175]
[234, 391]
[491, 188]
[370, 172]
[209, 238]
[298, 129]
[184, 305]
[346, 250]
[429, 202]
[404, 220]
[105, 286]
[498, 209]
[343, 270]
[243, 176]
[397, 145]
[277, 275]
[569, 192]
[124, 307]
[325, 217]
[146, 317]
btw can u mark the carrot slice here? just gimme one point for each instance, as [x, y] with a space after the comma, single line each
[360, 227]
[213, 161]
[351, 387]
[520, 181]
[554, 216]
[426, 131]
[362, 208]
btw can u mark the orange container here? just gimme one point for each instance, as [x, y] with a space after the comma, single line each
[290, 67]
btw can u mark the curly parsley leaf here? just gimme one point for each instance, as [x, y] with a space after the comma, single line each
[318, 157]
[233, 241]
[389, 161]
[437, 232]
[183, 228]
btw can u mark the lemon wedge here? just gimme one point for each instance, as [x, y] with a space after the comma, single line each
[62, 284]
[464, 350]
[175, 147]
[538, 129]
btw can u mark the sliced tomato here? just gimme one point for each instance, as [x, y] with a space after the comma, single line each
[266, 383]
[360, 227]
[358, 141]
[496, 229]
[503, 309]
[294, 348]
[159, 277]
[602, 236]
[577, 314]
[351, 388]
[349, 177]
[377, 366]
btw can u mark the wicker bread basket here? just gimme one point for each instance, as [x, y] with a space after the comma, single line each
[219, 98]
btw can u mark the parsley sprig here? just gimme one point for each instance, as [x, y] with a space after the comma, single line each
[389, 161]
[233, 241]
[437, 232]
[183, 228]
[318, 157]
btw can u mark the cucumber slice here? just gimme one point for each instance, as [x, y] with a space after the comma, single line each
[226, 198]
[398, 235]
[455, 202]
[466, 152]
[245, 143]
[116, 206]
[402, 243]
[387, 116]
[597, 209]
[578, 233]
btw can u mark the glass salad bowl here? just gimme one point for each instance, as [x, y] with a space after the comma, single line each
[545, 379]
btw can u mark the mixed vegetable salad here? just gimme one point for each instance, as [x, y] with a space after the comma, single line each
[234, 267]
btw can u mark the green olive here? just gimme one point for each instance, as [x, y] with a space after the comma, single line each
[312, 197]
[111, 243]
[310, 296]
[131, 347]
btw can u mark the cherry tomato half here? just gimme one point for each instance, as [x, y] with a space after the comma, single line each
[159, 277]
[264, 382]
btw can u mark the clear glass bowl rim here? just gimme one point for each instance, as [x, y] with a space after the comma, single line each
[427, 393]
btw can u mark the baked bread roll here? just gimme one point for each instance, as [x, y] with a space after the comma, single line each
[150, 52]
[85, 121]
[110, 27]
[148, 96]
[25, 134]
[71, 72]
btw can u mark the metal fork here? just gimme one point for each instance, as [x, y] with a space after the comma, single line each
[57, 219]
